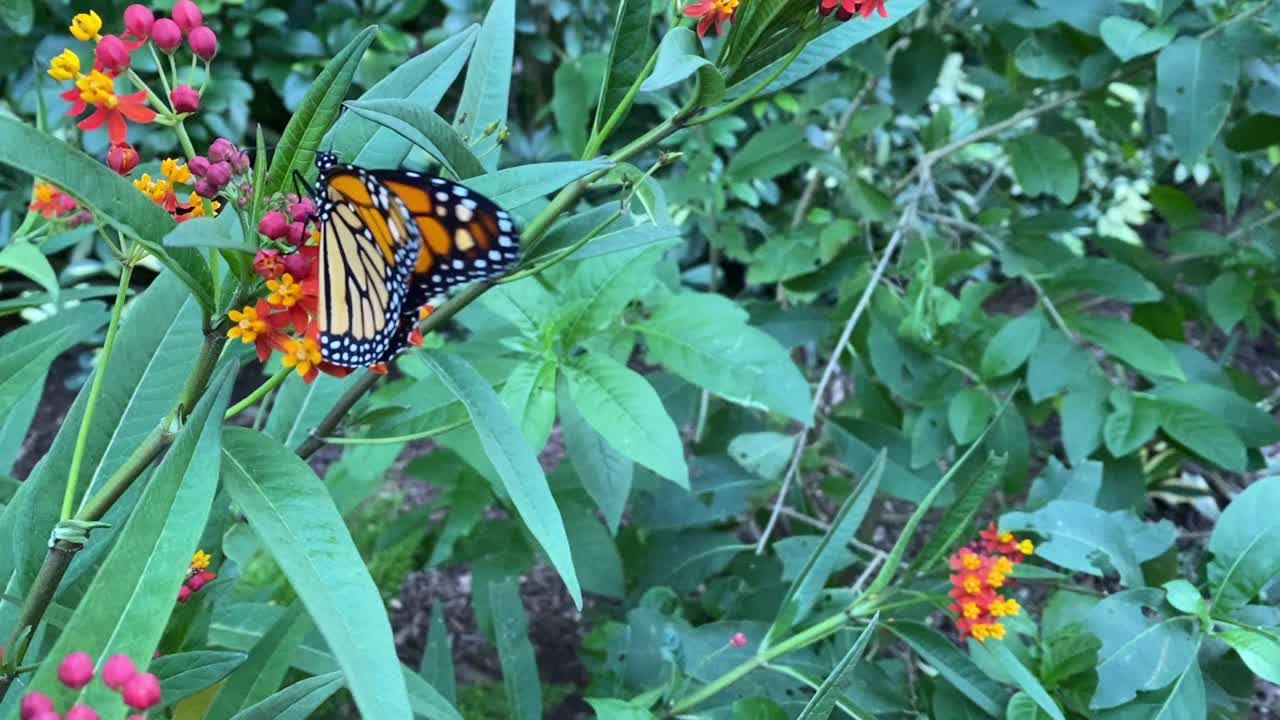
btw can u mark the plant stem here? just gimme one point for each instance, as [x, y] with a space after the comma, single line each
[271, 384]
[185, 140]
[399, 438]
[620, 112]
[95, 390]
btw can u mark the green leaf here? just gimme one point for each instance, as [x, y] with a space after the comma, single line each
[954, 666]
[771, 152]
[223, 231]
[1132, 424]
[704, 338]
[112, 199]
[1103, 276]
[1141, 648]
[627, 239]
[421, 126]
[515, 462]
[596, 553]
[18, 15]
[1012, 345]
[1253, 425]
[1010, 663]
[1228, 297]
[318, 110]
[423, 80]
[1184, 596]
[1083, 538]
[186, 673]
[1195, 83]
[1023, 707]
[570, 105]
[628, 54]
[763, 454]
[290, 510]
[26, 259]
[261, 674]
[132, 593]
[1044, 166]
[530, 395]
[296, 702]
[624, 408]
[1259, 649]
[1205, 434]
[679, 57]
[515, 652]
[1130, 39]
[968, 413]
[957, 524]
[27, 351]
[1043, 59]
[614, 709]
[515, 186]
[486, 91]
[604, 471]
[1256, 131]
[1246, 546]
[299, 406]
[600, 289]
[437, 659]
[1131, 344]
[914, 72]
[833, 688]
[1083, 415]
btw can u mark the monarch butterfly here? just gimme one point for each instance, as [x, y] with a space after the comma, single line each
[390, 240]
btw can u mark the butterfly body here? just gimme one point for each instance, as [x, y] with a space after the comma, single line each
[390, 241]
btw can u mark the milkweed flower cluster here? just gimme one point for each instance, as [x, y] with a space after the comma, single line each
[849, 9]
[981, 570]
[139, 691]
[55, 205]
[717, 13]
[198, 575]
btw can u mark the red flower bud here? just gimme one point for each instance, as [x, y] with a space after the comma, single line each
[198, 165]
[76, 670]
[34, 704]
[302, 210]
[296, 234]
[221, 150]
[738, 640]
[297, 265]
[268, 262]
[187, 15]
[195, 582]
[184, 594]
[219, 174]
[166, 34]
[142, 691]
[206, 189]
[203, 43]
[185, 99]
[112, 55]
[118, 671]
[82, 712]
[274, 225]
[122, 158]
[138, 20]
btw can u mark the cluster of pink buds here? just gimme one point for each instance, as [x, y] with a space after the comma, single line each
[223, 164]
[289, 226]
[139, 691]
[198, 575]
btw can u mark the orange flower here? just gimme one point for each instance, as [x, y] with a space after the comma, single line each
[98, 89]
[719, 12]
[285, 292]
[978, 607]
[255, 324]
[51, 202]
[302, 355]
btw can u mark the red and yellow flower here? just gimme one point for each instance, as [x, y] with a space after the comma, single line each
[847, 9]
[980, 570]
[51, 202]
[712, 12]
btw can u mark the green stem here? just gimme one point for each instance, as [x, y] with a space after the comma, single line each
[95, 390]
[161, 107]
[184, 139]
[751, 94]
[598, 138]
[560, 255]
[399, 438]
[271, 384]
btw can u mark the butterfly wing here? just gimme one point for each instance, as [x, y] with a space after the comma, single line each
[369, 245]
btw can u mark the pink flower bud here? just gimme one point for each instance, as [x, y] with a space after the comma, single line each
[219, 174]
[203, 43]
[240, 161]
[221, 149]
[187, 15]
[112, 55]
[195, 582]
[296, 234]
[141, 692]
[268, 263]
[118, 670]
[206, 189]
[76, 670]
[122, 158]
[46, 715]
[273, 224]
[138, 20]
[184, 594]
[82, 712]
[302, 210]
[166, 34]
[185, 99]
[297, 265]
[80, 218]
[34, 704]
[198, 165]
[738, 640]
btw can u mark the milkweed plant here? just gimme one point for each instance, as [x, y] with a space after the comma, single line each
[861, 358]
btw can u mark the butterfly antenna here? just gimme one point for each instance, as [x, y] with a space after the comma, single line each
[300, 183]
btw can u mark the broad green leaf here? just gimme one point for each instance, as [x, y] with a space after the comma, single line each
[1184, 596]
[186, 673]
[487, 89]
[26, 259]
[833, 688]
[289, 509]
[424, 80]
[1129, 39]
[421, 126]
[1023, 707]
[763, 454]
[299, 406]
[600, 289]
[1256, 131]
[15, 421]
[570, 105]
[679, 57]
[1141, 648]
[112, 199]
[223, 232]
[515, 186]
[771, 152]
[264, 670]
[1260, 650]
[1043, 58]
[1022, 676]
[27, 351]
[515, 652]
[133, 592]
[615, 709]
[1131, 344]
[1102, 276]
[516, 464]
[1057, 363]
[1132, 424]
[530, 395]
[1012, 345]
[1083, 415]
[914, 72]
[1083, 538]
[18, 15]
[296, 702]
[705, 339]
[1186, 699]
[437, 659]
[1228, 297]
[318, 110]
[752, 27]
[599, 563]
[1044, 166]
[605, 473]
[526, 304]
[1205, 434]
[628, 53]
[858, 442]
[1246, 546]
[627, 239]
[954, 666]
[624, 408]
[1195, 83]
[968, 413]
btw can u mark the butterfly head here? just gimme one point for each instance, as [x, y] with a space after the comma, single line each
[325, 160]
